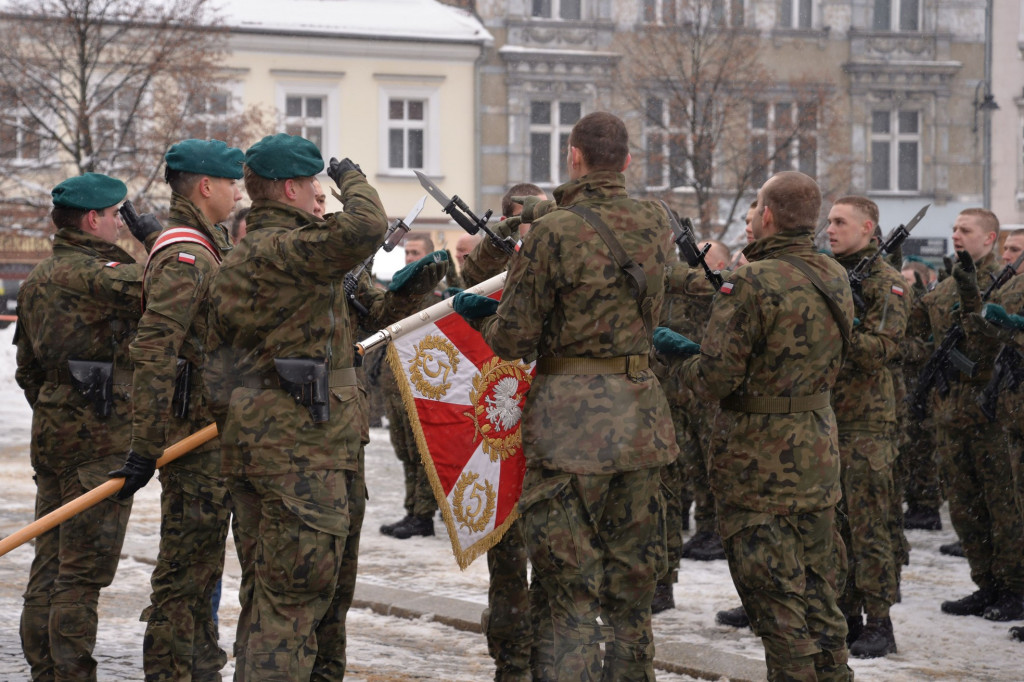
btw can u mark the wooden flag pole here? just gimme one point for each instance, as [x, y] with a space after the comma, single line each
[425, 316]
[100, 492]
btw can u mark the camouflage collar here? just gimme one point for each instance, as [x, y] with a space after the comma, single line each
[596, 185]
[186, 214]
[266, 213]
[780, 242]
[80, 241]
[851, 259]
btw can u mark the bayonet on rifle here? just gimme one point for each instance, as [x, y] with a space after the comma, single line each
[894, 241]
[460, 213]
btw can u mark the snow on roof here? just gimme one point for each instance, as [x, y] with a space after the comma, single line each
[418, 19]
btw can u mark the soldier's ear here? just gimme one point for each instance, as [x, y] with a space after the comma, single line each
[629, 157]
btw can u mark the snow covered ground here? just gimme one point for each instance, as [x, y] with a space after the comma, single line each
[932, 645]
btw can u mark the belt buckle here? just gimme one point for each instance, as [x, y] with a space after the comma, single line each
[633, 366]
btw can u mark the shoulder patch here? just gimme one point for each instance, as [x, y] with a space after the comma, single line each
[186, 258]
[727, 288]
[897, 289]
[111, 264]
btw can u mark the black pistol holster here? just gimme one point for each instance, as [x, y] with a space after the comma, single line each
[306, 380]
[95, 381]
[182, 389]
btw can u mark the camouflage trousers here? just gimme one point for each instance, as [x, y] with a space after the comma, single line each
[597, 546]
[977, 468]
[419, 496]
[72, 563]
[787, 570]
[181, 635]
[918, 465]
[864, 522]
[295, 591]
[672, 478]
[507, 620]
[690, 430]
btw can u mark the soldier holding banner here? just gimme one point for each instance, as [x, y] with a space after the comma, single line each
[77, 312]
[596, 428]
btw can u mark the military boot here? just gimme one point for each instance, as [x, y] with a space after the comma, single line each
[663, 598]
[1017, 633]
[1008, 606]
[736, 618]
[414, 525]
[952, 549]
[389, 528]
[709, 550]
[875, 640]
[973, 604]
[922, 518]
[854, 628]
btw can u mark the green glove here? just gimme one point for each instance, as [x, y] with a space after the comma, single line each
[670, 343]
[529, 204]
[473, 306]
[997, 315]
[509, 227]
[422, 276]
[966, 276]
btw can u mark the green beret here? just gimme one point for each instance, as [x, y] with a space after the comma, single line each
[206, 157]
[89, 192]
[918, 259]
[283, 156]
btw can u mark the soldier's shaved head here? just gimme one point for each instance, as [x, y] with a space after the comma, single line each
[794, 200]
[602, 140]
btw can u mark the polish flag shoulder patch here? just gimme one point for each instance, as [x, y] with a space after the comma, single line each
[186, 258]
[727, 288]
[897, 289]
[111, 264]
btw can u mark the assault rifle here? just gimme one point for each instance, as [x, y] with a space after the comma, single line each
[460, 213]
[894, 241]
[1006, 369]
[946, 358]
[689, 249]
[392, 238]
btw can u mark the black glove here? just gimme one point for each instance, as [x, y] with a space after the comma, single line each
[966, 275]
[337, 169]
[146, 225]
[136, 472]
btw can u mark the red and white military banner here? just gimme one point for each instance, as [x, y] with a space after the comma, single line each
[465, 405]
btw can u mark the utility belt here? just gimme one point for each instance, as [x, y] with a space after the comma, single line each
[95, 380]
[305, 379]
[622, 364]
[776, 405]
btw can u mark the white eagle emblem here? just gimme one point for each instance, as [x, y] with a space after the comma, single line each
[503, 409]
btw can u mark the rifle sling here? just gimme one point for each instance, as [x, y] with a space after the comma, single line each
[837, 313]
[635, 273]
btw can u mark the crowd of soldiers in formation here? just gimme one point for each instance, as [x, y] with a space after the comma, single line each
[795, 402]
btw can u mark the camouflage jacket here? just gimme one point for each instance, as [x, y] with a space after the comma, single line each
[772, 334]
[173, 326]
[932, 316]
[81, 303]
[688, 297]
[565, 297]
[1010, 402]
[864, 395]
[279, 294]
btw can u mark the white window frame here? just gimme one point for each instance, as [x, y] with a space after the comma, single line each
[894, 138]
[207, 120]
[19, 119]
[897, 9]
[431, 96]
[726, 11]
[554, 130]
[770, 135]
[665, 129]
[555, 10]
[115, 115]
[791, 19]
[331, 119]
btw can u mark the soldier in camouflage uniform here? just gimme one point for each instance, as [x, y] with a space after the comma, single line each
[596, 427]
[863, 400]
[419, 502]
[81, 303]
[181, 636]
[772, 351]
[974, 455]
[293, 464]
[509, 620]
